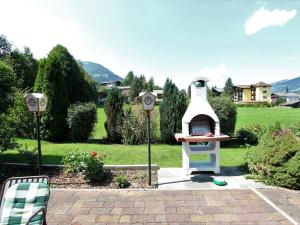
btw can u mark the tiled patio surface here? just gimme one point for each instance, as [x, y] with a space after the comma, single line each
[286, 200]
[89, 207]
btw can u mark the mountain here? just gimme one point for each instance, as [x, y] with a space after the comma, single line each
[293, 85]
[99, 72]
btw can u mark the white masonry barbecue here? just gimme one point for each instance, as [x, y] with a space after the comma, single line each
[200, 124]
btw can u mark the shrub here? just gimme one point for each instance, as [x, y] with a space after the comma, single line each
[23, 120]
[171, 110]
[122, 182]
[276, 159]
[88, 164]
[7, 134]
[7, 86]
[81, 120]
[114, 114]
[246, 136]
[226, 112]
[255, 105]
[134, 125]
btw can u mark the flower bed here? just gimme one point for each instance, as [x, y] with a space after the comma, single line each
[60, 179]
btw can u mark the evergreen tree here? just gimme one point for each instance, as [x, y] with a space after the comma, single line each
[7, 86]
[228, 88]
[25, 67]
[150, 84]
[78, 89]
[5, 47]
[143, 82]
[172, 109]
[7, 90]
[114, 114]
[53, 85]
[128, 79]
[135, 88]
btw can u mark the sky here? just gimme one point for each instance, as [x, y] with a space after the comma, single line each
[246, 40]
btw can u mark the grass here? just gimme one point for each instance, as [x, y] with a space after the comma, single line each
[265, 116]
[162, 154]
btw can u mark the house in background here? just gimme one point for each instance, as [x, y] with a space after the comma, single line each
[289, 97]
[159, 95]
[259, 92]
[217, 91]
[110, 84]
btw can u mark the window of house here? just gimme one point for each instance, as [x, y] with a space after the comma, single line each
[265, 92]
[264, 97]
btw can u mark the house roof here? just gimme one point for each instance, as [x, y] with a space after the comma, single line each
[243, 86]
[291, 103]
[261, 84]
[218, 89]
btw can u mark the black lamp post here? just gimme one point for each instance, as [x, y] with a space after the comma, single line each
[148, 104]
[37, 103]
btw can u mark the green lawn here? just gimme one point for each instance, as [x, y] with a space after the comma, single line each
[265, 116]
[162, 154]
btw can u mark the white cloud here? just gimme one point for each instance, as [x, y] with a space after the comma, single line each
[28, 24]
[217, 75]
[264, 18]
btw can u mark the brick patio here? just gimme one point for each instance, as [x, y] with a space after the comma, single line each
[89, 207]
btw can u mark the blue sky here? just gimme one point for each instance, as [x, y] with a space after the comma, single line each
[249, 41]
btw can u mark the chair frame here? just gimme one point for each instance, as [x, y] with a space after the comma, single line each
[28, 179]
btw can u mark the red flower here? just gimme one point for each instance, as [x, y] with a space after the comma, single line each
[94, 154]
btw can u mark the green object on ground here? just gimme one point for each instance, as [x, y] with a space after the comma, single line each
[220, 182]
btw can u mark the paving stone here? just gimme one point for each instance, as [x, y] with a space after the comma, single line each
[139, 204]
[160, 218]
[125, 219]
[142, 219]
[178, 218]
[154, 207]
[171, 210]
[226, 217]
[100, 211]
[187, 210]
[196, 218]
[108, 218]
[90, 204]
[84, 218]
[117, 211]
[79, 211]
[133, 211]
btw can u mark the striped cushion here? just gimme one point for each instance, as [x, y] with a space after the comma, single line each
[22, 200]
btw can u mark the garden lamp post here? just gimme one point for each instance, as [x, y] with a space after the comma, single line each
[148, 100]
[37, 102]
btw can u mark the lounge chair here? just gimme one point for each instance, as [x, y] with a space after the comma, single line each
[24, 200]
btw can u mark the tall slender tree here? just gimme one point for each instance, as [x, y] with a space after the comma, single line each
[172, 109]
[228, 88]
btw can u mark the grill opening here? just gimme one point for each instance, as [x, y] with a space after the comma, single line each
[201, 125]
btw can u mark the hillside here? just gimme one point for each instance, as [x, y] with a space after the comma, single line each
[293, 85]
[99, 72]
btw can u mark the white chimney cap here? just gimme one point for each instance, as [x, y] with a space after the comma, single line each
[200, 78]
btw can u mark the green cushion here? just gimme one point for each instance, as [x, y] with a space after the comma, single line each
[22, 200]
